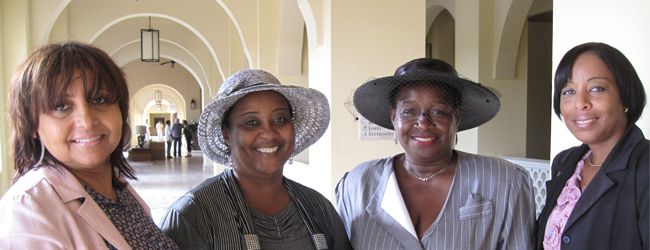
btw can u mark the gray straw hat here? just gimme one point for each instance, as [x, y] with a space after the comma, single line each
[311, 112]
[373, 99]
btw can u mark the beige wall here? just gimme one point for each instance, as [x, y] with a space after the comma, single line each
[363, 44]
[59, 32]
[510, 122]
[623, 24]
[14, 42]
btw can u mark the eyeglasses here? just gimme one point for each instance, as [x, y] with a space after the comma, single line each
[411, 114]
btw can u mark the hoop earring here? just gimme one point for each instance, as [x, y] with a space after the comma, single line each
[40, 160]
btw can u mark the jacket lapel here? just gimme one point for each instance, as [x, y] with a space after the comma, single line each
[563, 170]
[79, 201]
[564, 167]
[377, 213]
[598, 186]
[607, 177]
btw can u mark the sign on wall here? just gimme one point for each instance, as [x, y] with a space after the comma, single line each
[371, 131]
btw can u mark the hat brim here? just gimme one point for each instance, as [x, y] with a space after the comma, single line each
[311, 116]
[479, 104]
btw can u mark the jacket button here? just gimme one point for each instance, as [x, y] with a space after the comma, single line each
[566, 239]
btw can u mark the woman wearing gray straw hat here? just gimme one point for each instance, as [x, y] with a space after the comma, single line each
[254, 125]
[433, 196]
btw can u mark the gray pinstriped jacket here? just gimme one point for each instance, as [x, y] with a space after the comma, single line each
[490, 206]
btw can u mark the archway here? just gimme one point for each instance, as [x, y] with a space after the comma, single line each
[440, 40]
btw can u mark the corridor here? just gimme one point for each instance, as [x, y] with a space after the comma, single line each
[161, 182]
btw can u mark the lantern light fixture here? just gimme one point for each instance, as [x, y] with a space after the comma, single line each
[149, 44]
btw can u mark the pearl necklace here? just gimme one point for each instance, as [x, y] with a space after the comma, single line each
[423, 179]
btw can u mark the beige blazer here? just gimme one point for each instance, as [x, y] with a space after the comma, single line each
[49, 209]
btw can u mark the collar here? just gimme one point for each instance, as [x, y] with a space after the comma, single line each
[393, 203]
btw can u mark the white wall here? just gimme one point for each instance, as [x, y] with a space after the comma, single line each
[623, 24]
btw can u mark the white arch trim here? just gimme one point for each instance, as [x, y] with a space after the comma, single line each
[508, 38]
[179, 21]
[182, 63]
[55, 16]
[247, 52]
[203, 84]
[432, 14]
[314, 30]
[142, 97]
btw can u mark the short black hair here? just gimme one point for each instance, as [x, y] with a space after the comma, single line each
[629, 85]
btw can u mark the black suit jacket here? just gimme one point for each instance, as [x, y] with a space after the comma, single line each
[612, 212]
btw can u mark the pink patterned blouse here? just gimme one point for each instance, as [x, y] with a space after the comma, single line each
[565, 203]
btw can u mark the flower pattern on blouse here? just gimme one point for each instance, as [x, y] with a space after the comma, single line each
[565, 204]
[133, 223]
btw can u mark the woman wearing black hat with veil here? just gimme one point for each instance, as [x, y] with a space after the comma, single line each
[433, 196]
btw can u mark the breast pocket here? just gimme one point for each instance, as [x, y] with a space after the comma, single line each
[475, 208]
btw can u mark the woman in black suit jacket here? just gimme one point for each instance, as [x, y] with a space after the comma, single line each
[598, 195]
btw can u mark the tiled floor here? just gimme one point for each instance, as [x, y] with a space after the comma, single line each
[160, 183]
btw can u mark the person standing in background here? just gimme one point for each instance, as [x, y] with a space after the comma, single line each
[159, 130]
[187, 132]
[177, 131]
[168, 138]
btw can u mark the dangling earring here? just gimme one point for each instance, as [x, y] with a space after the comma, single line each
[625, 110]
[394, 137]
[229, 163]
[40, 160]
[290, 161]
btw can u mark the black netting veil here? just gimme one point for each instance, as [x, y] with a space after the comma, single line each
[426, 94]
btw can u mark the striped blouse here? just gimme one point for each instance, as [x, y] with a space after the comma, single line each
[490, 205]
[213, 216]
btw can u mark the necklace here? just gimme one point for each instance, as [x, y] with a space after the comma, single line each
[423, 179]
[592, 163]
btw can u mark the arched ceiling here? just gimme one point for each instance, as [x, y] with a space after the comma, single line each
[196, 36]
